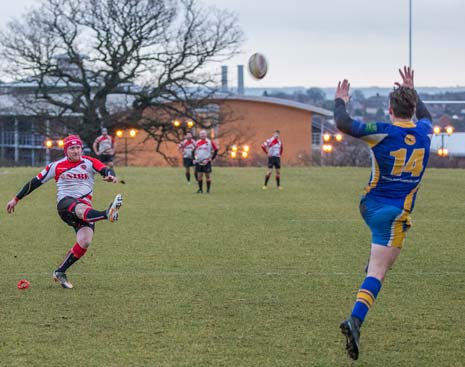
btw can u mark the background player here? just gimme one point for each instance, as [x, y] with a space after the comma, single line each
[104, 147]
[187, 147]
[74, 176]
[273, 147]
[400, 153]
[204, 153]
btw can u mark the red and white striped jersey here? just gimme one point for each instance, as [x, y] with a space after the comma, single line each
[187, 147]
[105, 144]
[74, 179]
[204, 149]
[273, 147]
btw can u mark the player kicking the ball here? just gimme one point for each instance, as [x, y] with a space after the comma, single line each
[74, 176]
[273, 147]
[204, 153]
[400, 152]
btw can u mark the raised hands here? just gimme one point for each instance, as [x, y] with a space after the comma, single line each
[407, 78]
[342, 91]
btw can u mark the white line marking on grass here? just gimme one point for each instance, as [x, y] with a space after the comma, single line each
[361, 220]
[232, 274]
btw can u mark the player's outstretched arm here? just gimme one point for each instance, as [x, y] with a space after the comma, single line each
[421, 110]
[26, 190]
[109, 175]
[407, 76]
[341, 117]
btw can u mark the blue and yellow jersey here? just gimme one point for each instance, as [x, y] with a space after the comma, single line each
[400, 153]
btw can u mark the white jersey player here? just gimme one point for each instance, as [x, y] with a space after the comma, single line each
[187, 147]
[104, 147]
[74, 177]
[204, 153]
[273, 147]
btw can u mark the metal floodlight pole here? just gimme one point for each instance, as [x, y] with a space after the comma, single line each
[410, 35]
[125, 151]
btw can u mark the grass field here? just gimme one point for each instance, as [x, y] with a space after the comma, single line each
[240, 277]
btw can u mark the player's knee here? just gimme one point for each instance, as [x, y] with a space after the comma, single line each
[79, 210]
[84, 237]
[85, 243]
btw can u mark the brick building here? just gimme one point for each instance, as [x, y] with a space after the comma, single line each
[255, 120]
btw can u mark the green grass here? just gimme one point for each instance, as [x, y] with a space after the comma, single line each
[241, 277]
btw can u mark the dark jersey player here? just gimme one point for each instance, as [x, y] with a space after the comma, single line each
[74, 177]
[204, 153]
[400, 152]
[186, 147]
[273, 147]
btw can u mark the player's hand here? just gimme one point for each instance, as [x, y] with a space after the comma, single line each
[110, 178]
[10, 207]
[342, 91]
[407, 78]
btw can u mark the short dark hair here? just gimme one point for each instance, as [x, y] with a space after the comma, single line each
[403, 101]
[277, 131]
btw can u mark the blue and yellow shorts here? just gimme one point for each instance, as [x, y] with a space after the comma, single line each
[388, 224]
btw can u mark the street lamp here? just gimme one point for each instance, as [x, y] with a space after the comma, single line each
[131, 133]
[241, 152]
[449, 130]
[327, 147]
[443, 152]
[178, 123]
[49, 144]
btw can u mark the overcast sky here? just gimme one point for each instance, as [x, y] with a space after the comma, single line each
[316, 43]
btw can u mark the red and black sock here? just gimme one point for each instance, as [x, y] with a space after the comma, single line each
[267, 178]
[92, 215]
[188, 176]
[209, 184]
[72, 256]
[200, 182]
[278, 180]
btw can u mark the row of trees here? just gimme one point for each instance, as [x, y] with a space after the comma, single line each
[116, 61]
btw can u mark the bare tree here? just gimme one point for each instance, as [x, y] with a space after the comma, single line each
[96, 58]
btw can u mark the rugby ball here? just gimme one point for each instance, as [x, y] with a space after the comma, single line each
[258, 66]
